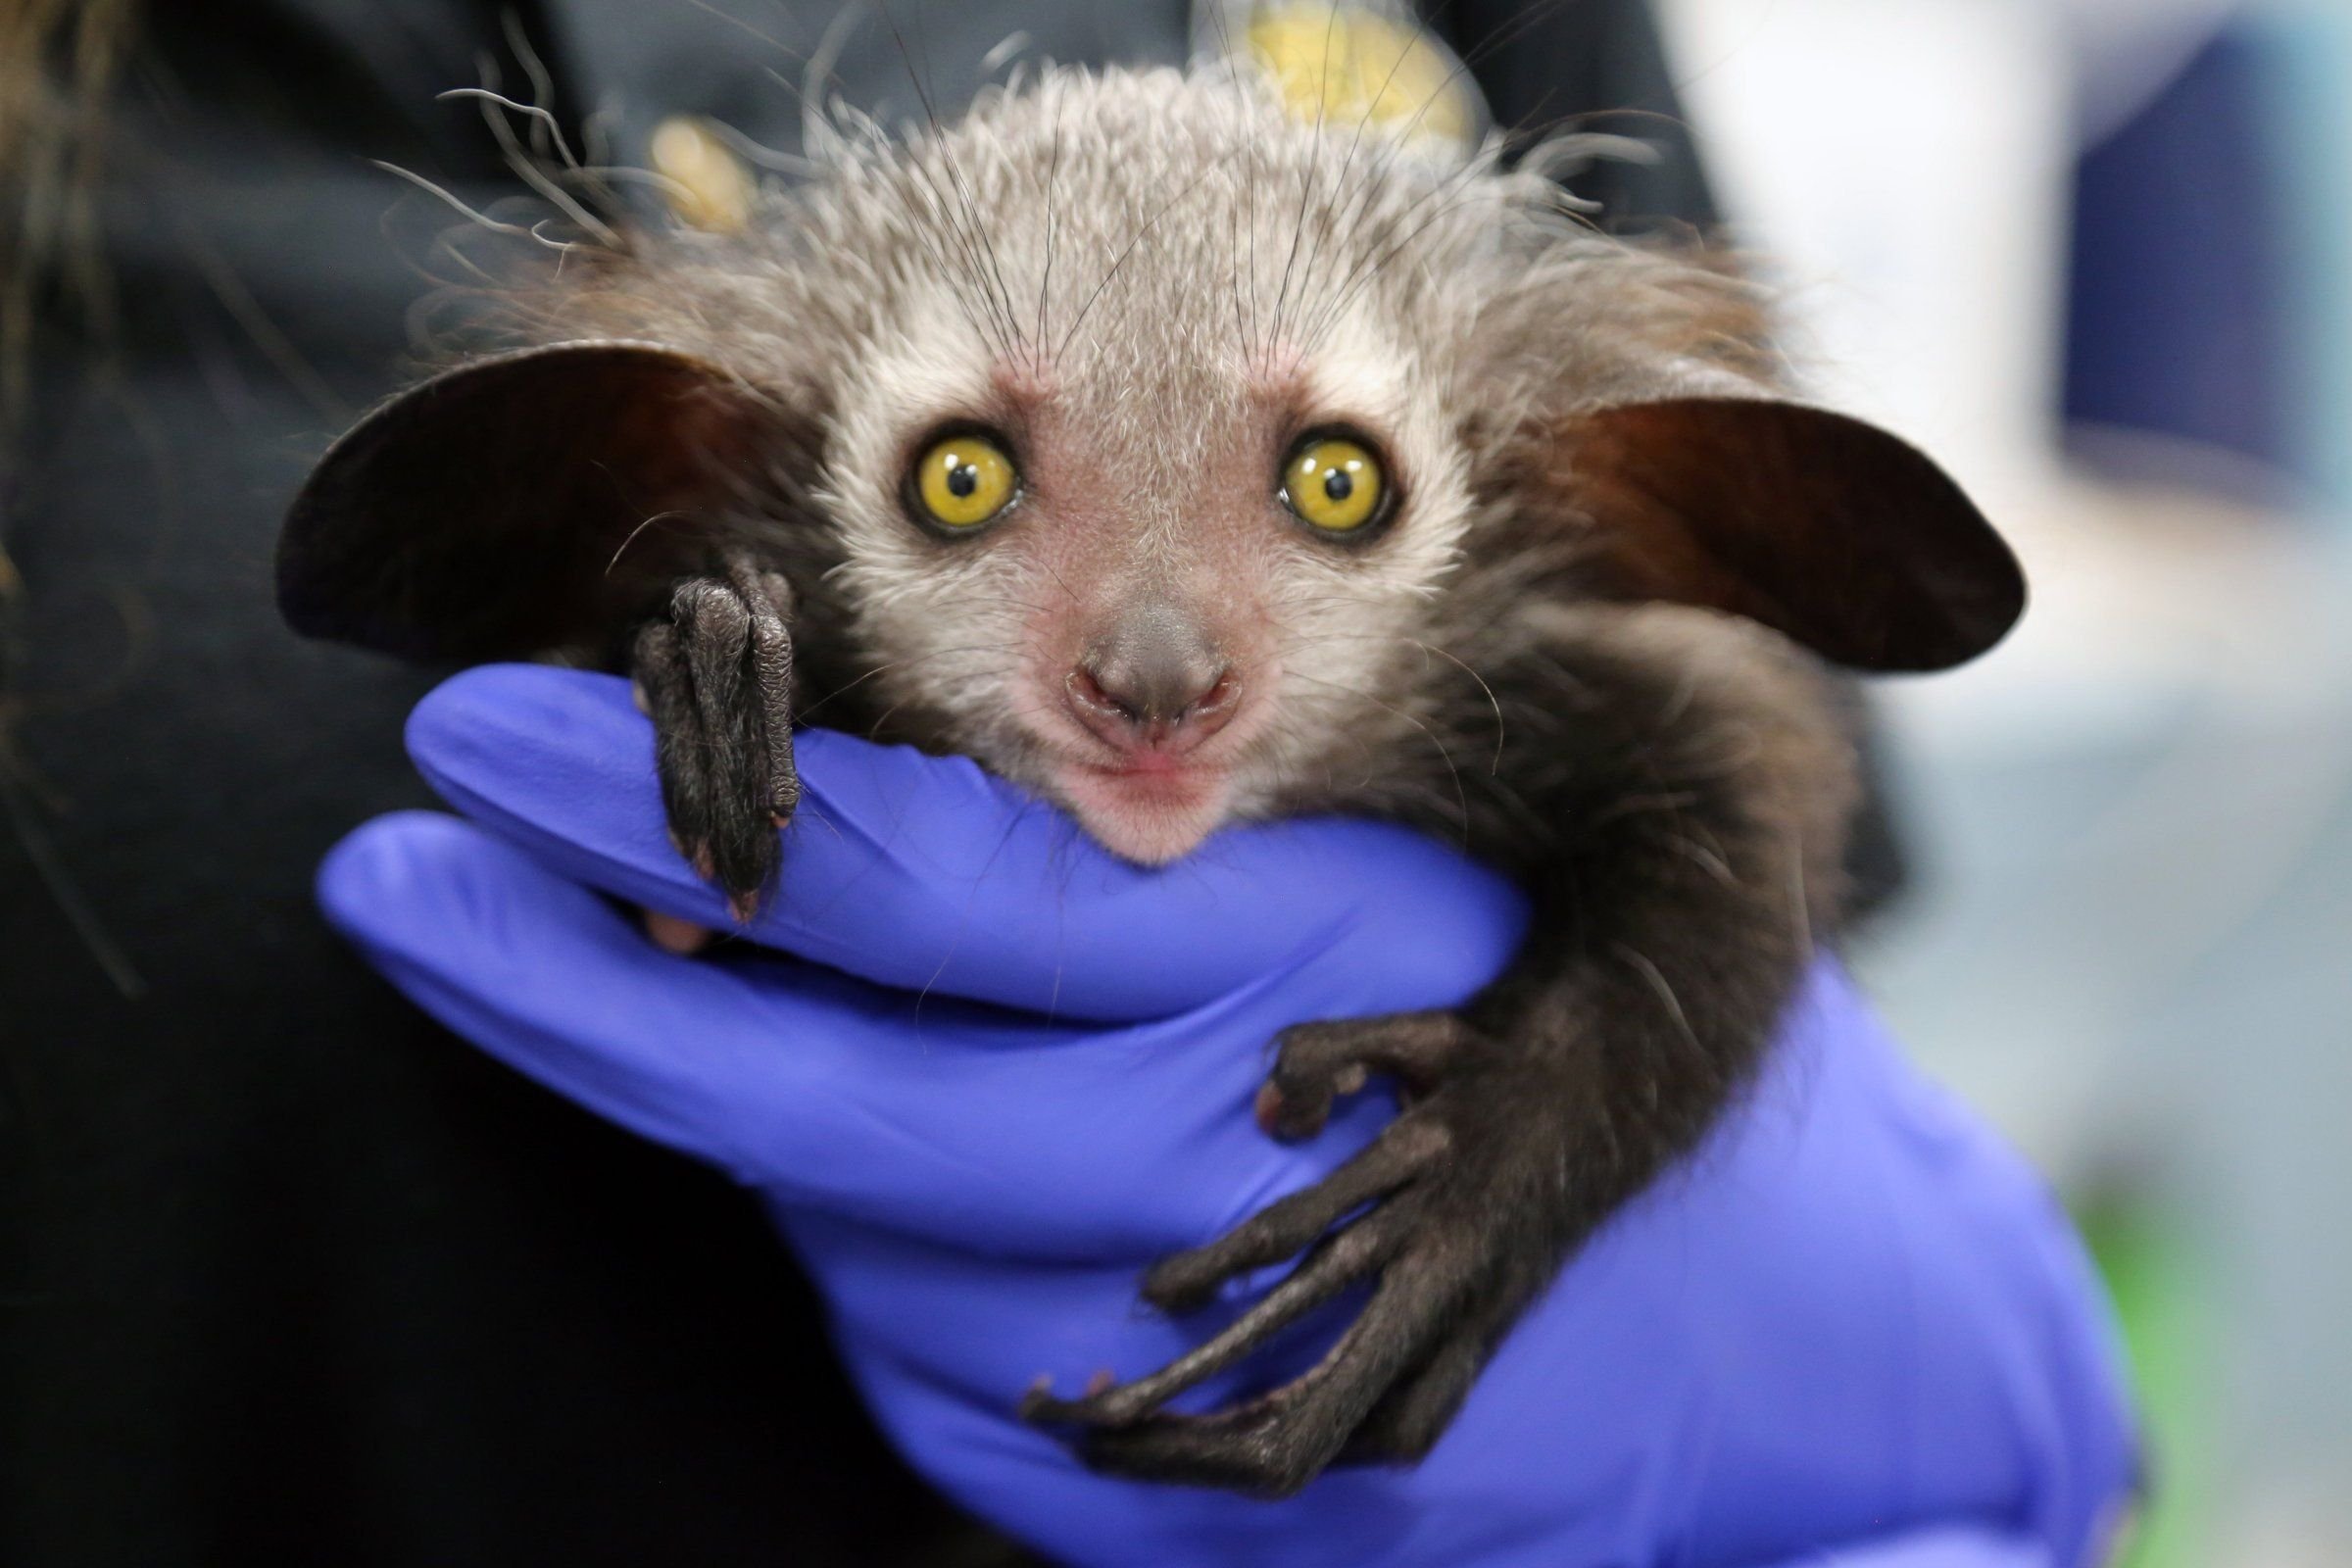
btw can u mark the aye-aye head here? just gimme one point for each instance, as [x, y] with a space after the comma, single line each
[1158, 449]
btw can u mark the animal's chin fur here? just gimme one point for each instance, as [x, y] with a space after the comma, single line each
[1150, 819]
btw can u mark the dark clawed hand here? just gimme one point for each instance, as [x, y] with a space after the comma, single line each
[1441, 1239]
[716, 674]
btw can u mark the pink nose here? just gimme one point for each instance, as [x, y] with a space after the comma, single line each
[1174, 723]
[1154, 684]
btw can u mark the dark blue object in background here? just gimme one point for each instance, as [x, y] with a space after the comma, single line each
[2179, 295]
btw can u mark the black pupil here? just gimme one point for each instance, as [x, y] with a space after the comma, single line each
[963, 479]
[1338, 484]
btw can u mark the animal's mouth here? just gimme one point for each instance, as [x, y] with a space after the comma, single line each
[1150, 808]
[1148, 792]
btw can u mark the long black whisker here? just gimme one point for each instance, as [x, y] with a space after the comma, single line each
[1492, 702]
[1401, 142]
[986, 272]
[1453, 771]
[1306, 178]
[1045, 280]
[950, 215]
[1235, 64]
[1360, 277]
[1326, 229]
[809, 712]
[980, 225]
[1134, 240]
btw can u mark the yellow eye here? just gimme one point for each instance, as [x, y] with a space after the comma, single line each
[964, 480]
[1333, 484]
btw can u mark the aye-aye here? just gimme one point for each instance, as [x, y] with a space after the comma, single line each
[1189, 463]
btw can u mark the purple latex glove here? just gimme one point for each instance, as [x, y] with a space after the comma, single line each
[999, 1073]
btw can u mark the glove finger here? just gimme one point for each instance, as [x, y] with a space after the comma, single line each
[1955, 1548]
[925, 1115]
[928, 873]
[753, 1069]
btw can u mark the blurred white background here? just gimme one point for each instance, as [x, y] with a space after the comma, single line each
[2095, 254]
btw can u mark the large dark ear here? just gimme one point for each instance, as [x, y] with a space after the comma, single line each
[1819, 526]
[536, 500]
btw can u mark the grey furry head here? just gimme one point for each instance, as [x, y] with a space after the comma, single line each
[1150, 287]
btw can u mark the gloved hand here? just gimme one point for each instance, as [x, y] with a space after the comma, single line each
[983, 1074]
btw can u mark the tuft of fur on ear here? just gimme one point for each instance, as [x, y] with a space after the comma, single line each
[1828, 530]
[537, 501]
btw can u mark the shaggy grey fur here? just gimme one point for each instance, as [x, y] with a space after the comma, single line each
[1573, 647]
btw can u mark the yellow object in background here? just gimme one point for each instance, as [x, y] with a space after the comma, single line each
[709, 187]
[1350, 65]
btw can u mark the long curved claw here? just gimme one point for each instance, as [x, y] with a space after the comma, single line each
[1289, 1226]
[1331, 1268]
[1273, 1445]
[1440, 1209]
